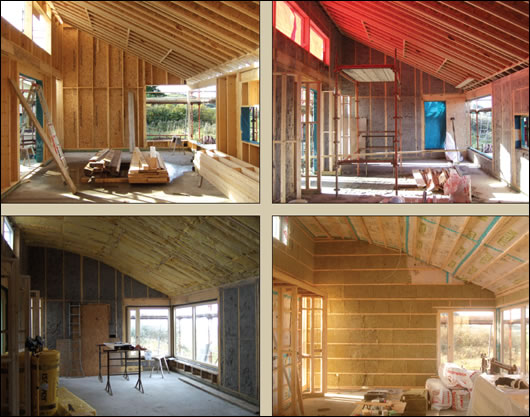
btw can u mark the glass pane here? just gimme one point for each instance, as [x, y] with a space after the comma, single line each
[316, 44]
[154, 330]
[317, 382]
[306, 375]
[472, 335]
[206, 331]
[184, 332]
[444, 341]
[13, 12]
[511, 343]
[288, 22]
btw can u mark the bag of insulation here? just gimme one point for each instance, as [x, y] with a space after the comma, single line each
[455, 377]
[439, 394]
[460, 400]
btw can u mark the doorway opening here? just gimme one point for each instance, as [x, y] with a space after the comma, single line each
[30, 142]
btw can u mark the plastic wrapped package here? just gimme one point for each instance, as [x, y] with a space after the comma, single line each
[455, 377]
[439, 394]
[460, 399]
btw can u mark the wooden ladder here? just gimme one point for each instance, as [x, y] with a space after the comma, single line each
[75, 335]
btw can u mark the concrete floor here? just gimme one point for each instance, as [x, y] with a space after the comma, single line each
[45, 185]
[378, 185]
[345, 404]
[162, 397]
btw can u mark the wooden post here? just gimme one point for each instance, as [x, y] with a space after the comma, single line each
[283, 164]
[298, 138]
[12, 333]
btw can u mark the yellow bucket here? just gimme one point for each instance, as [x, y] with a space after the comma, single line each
[47, 365]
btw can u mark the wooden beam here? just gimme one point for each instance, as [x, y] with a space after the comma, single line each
[278, 274]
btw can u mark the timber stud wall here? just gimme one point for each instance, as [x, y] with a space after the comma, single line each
[97, 80]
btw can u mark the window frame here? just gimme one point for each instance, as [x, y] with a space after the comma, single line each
[138, 320]
[307, 25]
[476, 147]
[450, 331]
[284, 230]
[522, 308]
[11, 234]
[193, 306]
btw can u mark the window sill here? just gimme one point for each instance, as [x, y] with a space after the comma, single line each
[250, 142]
[485, 155]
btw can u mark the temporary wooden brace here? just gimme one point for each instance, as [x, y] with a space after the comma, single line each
[45, 137]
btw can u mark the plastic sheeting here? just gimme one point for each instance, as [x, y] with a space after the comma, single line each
[450, 145]
[488, 400]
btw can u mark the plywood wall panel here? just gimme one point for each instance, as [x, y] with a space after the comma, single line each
[116, 130]
[69, 52]
[100, 118]
[159, 76]
[70, 118]
[101, 64]
[115, 67]
[86, 60]
[131, 71]
[86, 118]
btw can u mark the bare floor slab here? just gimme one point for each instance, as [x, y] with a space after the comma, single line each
[45, 185]
[167, 396]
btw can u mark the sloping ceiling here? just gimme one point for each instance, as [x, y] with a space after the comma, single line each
[451, 40]
[186, 38]
[174, 255]
[491, 252]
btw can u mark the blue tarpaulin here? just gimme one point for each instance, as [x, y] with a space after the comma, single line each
[435, 124]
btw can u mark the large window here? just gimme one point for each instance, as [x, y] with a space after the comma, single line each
[280, 229]
[8, 233]
[31, 19]
[196, 333]
[149, 328]
[514, 334]
[464, 335]
[481, 125]
[290, 20]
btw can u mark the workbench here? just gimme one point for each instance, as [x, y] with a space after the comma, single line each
[125, 359]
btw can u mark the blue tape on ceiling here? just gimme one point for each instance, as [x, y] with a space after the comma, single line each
[516, 258]
[446, 277]
[427, 220]
[478, 242]
[353, 227]
[491, 247]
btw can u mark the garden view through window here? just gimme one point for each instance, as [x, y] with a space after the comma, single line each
[464, 333]
[481, 125]
[149, 328]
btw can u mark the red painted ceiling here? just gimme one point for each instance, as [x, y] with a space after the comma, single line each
[451, 40]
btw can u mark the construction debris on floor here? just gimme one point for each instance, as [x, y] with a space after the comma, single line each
[235, 178]
[448, 180]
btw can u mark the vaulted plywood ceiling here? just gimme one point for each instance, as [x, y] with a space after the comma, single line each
[186, 38]
[491, 252]
[174, 255]
[455, 41]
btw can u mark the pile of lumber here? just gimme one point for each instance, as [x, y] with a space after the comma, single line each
[236, 179]
[147, 167]
[105, 163]
[432, 179]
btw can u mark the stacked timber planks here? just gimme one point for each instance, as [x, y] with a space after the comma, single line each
[147, 167]
[236, 179]
[106, 163]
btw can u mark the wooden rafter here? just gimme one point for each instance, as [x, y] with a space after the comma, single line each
[149, 29]
[451, 40]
